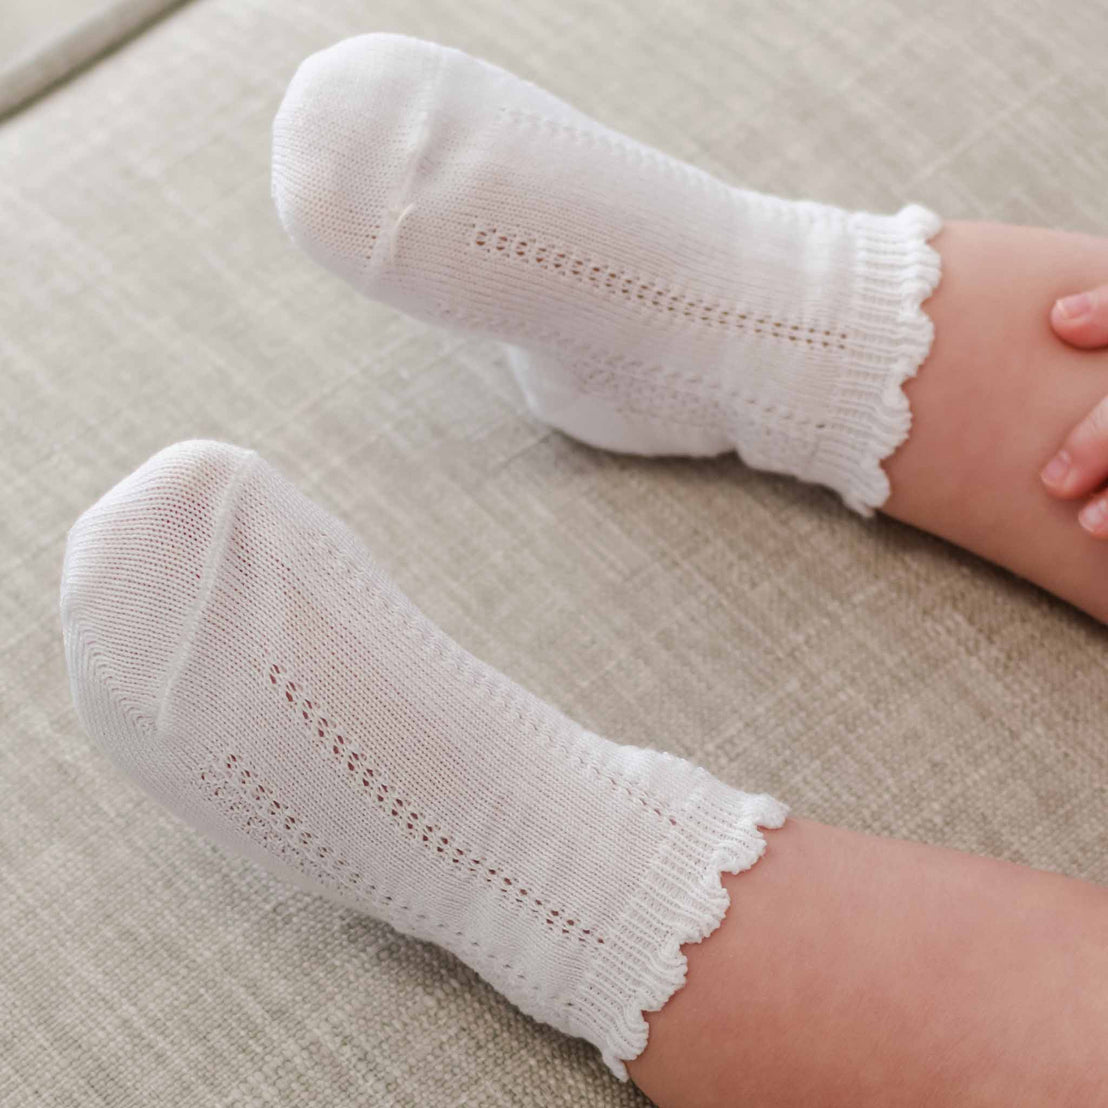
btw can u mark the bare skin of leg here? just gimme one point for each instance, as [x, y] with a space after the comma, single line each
[996, 398]
[860, 972]
[855, 971]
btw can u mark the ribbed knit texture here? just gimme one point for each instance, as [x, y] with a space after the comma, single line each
[655, 309]
[236, 651]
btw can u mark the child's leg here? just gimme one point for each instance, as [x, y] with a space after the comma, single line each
[657, 310]
[858, 972]
[995, 399]
[651, 308]
[238, 653]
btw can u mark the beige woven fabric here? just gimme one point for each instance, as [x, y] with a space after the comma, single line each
[866, 674]
[66, 48]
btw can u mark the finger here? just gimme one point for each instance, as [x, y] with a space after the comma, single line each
[1082, 319]
[1094, 516]
[1082, 463]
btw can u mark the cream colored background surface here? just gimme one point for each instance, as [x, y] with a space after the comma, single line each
[42, 41]
[866, 674]
[25, 23]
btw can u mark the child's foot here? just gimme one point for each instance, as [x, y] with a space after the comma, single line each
[654, 309]
[238, 653]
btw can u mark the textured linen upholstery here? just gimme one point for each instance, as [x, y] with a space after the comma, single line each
[864, 673]
[43, 61]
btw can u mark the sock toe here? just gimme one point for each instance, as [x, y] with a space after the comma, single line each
[133, 577]
[660, 311]
[343, 139]
[244, 660]
[373, 128]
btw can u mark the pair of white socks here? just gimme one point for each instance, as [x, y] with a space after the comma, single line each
[238, 653]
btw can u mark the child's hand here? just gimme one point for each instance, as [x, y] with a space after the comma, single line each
[1081, 466]
[1082, 319]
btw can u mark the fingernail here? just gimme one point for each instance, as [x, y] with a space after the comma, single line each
[1054, 472]
[1072, 308]
[1093, 516]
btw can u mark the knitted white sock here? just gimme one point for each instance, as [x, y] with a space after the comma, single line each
[238, 653]
[656, 309]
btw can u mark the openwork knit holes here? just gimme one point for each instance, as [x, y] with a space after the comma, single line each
[247, 801]
[522, 248]
[350, 573]
[253, 808]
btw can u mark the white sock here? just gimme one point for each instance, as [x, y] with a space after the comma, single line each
[655, 309]
[237, 652]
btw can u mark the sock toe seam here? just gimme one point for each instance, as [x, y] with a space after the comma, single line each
[217, 548]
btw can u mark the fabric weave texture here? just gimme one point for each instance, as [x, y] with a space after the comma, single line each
[872, 675]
